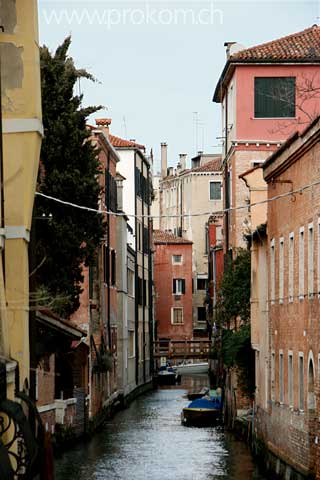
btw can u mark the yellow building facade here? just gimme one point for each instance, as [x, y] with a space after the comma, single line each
[22, 135]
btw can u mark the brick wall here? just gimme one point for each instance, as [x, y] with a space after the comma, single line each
[164, 273]
[290, 426]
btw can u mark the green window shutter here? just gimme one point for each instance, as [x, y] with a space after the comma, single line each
[215, 190]
[274, 97]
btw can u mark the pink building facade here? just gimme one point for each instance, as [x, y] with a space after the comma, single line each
[266, 93]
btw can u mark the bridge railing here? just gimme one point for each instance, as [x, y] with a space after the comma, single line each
[182, 349]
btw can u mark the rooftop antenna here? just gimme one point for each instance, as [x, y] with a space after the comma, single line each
[196, 129]
[124, 123]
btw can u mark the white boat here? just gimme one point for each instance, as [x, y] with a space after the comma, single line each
[186, 368]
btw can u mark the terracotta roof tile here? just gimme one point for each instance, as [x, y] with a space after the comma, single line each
[213, 166]
[297, 46]
[161, 237]
[118, 142]
[103, 122]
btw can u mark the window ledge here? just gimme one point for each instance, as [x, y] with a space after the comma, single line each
[274, 118]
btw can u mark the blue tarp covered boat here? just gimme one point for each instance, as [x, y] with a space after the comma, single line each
[203, 411]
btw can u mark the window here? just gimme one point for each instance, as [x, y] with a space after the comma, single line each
[176, 259]
[145, 240]
[273, 367]
[301, 264]
[301, 382]
[131, 344]
[113, 268]
[310, 260]
[291, 267]
[179, 286]
[106, 265]
[202, 283]
[138, 182]
[290, 379]
[274, 97]
[110, 192]
[215, 190]
[281, 270]
[130, 280]
[281, 380]
[177, 316]
[202, 314]
[272, 270]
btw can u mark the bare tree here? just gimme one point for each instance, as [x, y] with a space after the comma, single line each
[305, 102]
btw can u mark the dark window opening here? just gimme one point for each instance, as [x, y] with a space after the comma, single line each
[106, 265]
[113, 268]
[202, 317]
[202, 284]
[111, 192]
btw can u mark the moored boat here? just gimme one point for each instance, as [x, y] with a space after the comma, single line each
[202, 412]
[167, 376]
[195, 395]
[192, 368]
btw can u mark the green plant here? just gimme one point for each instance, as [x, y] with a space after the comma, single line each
[69, 170]
[233, 320]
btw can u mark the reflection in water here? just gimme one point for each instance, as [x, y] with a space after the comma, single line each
[147, 441]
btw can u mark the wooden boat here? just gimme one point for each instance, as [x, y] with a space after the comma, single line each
[202, 412]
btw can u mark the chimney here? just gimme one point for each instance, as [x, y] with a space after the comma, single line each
[228, 45]
[164, 159]
[119, 182]
[183, 161]
[104, 124]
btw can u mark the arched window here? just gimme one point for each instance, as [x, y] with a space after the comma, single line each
[311, 394]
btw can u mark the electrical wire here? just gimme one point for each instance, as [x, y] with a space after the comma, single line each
[299, 190]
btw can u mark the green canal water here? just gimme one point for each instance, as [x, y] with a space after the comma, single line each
[147, 441]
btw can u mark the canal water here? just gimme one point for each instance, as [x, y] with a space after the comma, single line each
[147, 441]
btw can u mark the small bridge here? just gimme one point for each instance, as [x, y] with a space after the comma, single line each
[182, 349]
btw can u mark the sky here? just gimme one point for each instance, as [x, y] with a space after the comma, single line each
[158, 61]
